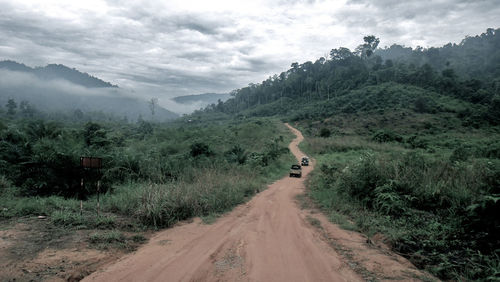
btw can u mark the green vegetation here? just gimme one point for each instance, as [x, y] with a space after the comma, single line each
[115, 238]
[154, 174]
[434, 195]
[441, 214]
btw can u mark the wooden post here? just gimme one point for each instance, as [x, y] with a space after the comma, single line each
[98, 188]
[81, 202]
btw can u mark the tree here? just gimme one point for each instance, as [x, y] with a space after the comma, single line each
[493, 113]
[325, 132]
[340, 54]
[26, 109]
[94, 134]
[366, 49]
[153, 103]
[11, 106]
[200, 148]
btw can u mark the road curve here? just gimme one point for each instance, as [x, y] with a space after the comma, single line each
[266, 239]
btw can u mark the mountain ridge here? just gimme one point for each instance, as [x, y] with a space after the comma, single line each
[58, 71]
[59, 88]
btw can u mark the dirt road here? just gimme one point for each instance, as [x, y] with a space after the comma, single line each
[270, 238]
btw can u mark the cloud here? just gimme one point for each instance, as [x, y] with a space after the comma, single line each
[179, 47]
[424, 23]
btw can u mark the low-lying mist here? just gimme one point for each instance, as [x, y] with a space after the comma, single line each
[62, 95]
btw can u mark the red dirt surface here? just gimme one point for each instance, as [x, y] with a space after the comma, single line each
[270, 238]
[33, 250]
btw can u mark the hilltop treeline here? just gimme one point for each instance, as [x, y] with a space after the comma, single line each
[58, 71]
[468, 71]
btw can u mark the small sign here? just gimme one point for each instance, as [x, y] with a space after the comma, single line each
[90, 162]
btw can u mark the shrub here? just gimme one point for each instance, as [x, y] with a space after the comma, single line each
[95, 135]
[415, 142]
[200, 149]
[383, 136]
[325, 132]
[236, 154]
[107, 237]
[461, 153]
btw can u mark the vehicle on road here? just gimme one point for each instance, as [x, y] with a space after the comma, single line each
[304, 161]
[296, 170]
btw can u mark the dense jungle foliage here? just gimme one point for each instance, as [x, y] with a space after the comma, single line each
[406, 142]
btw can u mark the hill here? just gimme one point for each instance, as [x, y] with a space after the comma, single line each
[55, 71]
[57, 88]
[332, 80]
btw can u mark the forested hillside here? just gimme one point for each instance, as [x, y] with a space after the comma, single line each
[467, 72]
[407, 142]
[54, 71]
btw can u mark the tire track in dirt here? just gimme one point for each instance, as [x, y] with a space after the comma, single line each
[268, 238]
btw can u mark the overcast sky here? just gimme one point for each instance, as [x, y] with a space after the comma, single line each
[177, 47]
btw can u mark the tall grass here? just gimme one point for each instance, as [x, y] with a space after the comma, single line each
[199, 193]
[319, 145]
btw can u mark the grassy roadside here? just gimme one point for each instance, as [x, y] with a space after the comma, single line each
[435, 205]
[239, 160]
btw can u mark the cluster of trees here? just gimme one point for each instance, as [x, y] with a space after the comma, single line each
[442, 70]
[19, 109]
[24, 108]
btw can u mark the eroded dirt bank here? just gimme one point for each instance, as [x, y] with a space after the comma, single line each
[270, 238]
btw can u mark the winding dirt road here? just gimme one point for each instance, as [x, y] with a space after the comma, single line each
[270, 238]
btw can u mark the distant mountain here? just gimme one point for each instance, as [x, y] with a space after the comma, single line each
[202, 99]
[53, 71]
[59, 88]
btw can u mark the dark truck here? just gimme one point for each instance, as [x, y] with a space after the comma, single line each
[296, 170]
[304, 161]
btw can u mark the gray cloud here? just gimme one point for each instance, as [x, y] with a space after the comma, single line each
[425, 23]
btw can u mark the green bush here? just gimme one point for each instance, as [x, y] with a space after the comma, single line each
[236, 154]
[383, 136]
[200, 149]
[325, 132]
